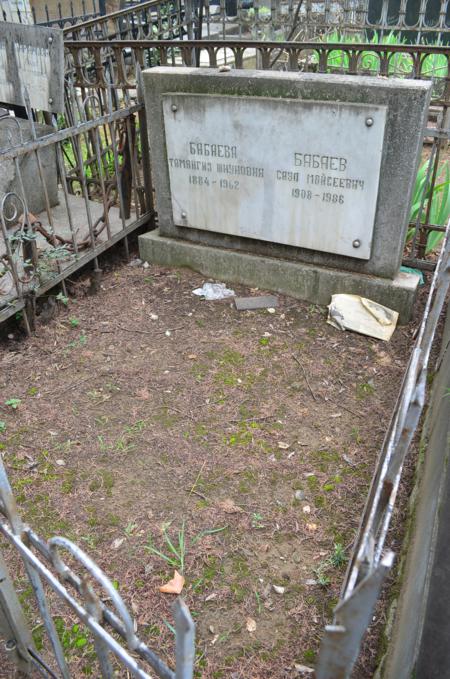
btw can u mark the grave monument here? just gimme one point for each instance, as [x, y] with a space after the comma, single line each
[298, 183]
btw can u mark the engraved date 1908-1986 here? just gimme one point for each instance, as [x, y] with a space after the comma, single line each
[326, 197]
[226, 184]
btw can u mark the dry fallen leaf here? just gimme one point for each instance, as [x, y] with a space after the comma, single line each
[174, 586]
[229, 507]
[311, 527]
[307, 509]
[117, 542]
[143, 393]
[250, 625]
[283, 446]
[278, 589]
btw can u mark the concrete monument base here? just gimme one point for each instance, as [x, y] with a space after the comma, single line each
[302, 281]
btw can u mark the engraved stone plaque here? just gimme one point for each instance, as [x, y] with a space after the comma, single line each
[301, 173]
[32, 57]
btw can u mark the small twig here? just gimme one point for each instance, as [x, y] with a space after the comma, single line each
[339, 405]
[70, 386]
[195, 492]
[145, 332]
[177, 410]
[196, 480]
[305, 376]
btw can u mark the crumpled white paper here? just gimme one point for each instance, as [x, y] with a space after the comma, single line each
[214, 291]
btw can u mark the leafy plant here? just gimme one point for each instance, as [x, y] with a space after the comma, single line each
[2, 426]
[336, 560]
[74, 322]
[256, 520]
[176, 554]
[177, 549]
[62, 298]
[440, 202]
[14, 403]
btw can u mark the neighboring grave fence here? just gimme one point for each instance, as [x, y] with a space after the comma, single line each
[416, 21]
[66, 582]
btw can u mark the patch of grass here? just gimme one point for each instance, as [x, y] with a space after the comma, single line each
[105, 481]
[68, 484]
[309, 655]
[364, 390]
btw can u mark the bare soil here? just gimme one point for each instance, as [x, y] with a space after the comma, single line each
[144, 409]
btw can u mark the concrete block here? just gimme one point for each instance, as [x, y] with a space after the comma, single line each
[302, 281]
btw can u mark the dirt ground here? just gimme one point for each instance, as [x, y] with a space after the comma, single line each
[144, 412]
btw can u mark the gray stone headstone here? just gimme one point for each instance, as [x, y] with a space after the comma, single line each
[32, 57]
[307, 168]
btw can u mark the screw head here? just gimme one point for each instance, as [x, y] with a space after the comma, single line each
[50, 100]
[369, 122]
[356, 243]
[183, 215]
[174, 108]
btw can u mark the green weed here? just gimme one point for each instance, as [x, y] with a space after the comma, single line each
[14, 403]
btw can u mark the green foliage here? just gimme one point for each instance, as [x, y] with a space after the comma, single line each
[175, 556]
[60, 297]
[401, 64]
[74, 322]
[440, 202]
[336, 560]
[74, 637]
[2, 426]
[177, 548]
[14, 403]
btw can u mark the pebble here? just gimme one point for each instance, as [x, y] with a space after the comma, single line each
[300, 495]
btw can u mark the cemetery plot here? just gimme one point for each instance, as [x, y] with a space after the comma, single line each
[247, 439]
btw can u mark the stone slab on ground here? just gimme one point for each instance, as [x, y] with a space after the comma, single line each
[260, 302]
[299, 280]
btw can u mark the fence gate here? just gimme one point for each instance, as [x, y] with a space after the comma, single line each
[59, 571]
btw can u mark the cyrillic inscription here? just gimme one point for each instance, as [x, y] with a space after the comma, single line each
[294, 172]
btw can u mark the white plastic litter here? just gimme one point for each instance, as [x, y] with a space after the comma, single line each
[352, 312]
[214, 291]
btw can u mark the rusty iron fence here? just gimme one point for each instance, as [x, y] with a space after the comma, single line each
[89, 595]
[79, 184]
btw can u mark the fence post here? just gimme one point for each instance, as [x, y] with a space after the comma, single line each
[145, 149]
[185, 641]
[13, 626]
